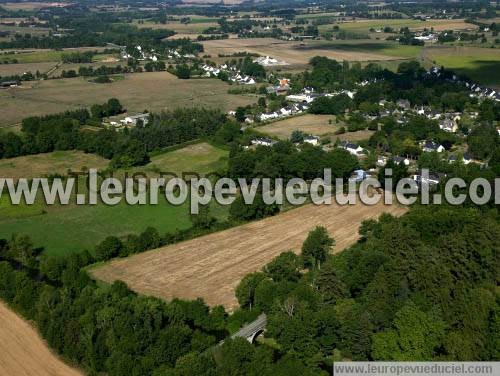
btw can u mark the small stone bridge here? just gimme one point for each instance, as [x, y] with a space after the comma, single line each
[252, 330]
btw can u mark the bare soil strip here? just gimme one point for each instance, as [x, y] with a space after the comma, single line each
[23, 352]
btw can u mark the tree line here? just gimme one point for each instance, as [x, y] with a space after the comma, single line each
[66, 131]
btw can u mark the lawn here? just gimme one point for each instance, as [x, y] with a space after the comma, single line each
[62, 229]
[201, 158]
[317, 125]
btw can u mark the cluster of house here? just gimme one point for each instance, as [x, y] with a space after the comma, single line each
[264, 141]
[300, 102]
[293, 109]
[235, 74]
[173, 54]
[448, 121]
[308, 95]
[428, 146]
[143, 54]
[282, 87]
[131, 121]
[426, 37]
[267, 61]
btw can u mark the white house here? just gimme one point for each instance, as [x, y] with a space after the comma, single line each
[448, 125]
[351, 148]
[313, 140]
[431, 179]
[268, 116]
[358, 176]
[466, 159]
[286, 111]
[263, 141]
[431, 146]
[133, 120]
[381, 161]
[403, 160]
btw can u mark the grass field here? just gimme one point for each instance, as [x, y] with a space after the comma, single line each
[390, 50]
[201, 158]
[480, 64]
[196, 26]
[41, 165]
[211, 266]
[34, 56]
[29, 5]
[364, 25]
[353, 136]
[62, 229]
[44, 56]
[297, 53]
[23, 352]
[309, 124]
[152, 91]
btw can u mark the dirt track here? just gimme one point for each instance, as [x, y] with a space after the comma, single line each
[211, 266]
[23, 352]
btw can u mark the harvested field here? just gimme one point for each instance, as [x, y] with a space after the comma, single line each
[310, 124]
[13, 69]
[33, 5]
[23, 352]
[189, 28]
[211, 266]
[25, 30]
[40, 165]
[294, 53]
[363, 25]
[139, 91]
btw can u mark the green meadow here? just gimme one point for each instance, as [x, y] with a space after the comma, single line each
[71, 228]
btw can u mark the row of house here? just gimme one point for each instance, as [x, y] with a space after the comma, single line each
[234, 74]
[294, 109]
[264, 141]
